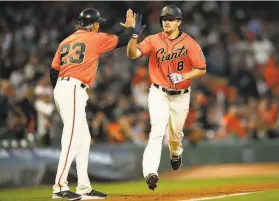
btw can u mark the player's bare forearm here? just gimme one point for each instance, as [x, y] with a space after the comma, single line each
[132, 48]
[194, 73]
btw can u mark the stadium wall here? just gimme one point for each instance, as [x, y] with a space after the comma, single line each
[34, 166]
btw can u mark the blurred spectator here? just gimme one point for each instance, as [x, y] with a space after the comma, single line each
[27, 106]
[244, 80]
[4, 102]
[271, 72]
[32, 70]
[98, 128]
[119, 131]
[45, 108]
[43, 87]
[217, 53]
[268, 111]
[17, 123]
[232, 123]
[262, 49]
[140, 87]
[141, 127]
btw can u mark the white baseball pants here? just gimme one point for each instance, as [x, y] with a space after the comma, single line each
[167, 115]
[70, 99]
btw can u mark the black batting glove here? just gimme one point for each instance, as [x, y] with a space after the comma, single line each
[138, 27]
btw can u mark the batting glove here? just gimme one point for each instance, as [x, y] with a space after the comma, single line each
[138, 28]
[176, 78]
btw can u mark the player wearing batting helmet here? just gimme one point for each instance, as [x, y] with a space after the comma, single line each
[88, 17]
[170, 11]
[72, 72]
[174, 60]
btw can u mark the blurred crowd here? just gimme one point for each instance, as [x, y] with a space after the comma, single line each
[237, 98]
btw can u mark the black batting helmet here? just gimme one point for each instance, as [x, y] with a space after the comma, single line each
[90, 16]
[172, 11]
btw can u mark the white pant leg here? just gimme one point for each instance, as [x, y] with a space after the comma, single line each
[70, 99]
[84, 185]
[159, 116]
[65, 97]
[179, 107]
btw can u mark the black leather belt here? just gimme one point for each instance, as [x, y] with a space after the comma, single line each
[68, 79]
[172, 92]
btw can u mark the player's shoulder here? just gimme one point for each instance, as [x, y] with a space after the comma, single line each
[189, 39]
[157, 35]
[153, 37]
[102, 34]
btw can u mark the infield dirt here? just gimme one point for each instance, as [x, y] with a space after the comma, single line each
[210, 171]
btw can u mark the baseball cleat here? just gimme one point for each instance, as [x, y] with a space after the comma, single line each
[69, 195]
[94, 195]
[151, 181]
[176, 161]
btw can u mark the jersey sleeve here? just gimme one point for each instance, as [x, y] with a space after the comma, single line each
[196, 56]
[145, 46]
[107, 42]
[56, 61]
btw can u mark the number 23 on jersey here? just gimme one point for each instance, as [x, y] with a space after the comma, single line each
[77, 51]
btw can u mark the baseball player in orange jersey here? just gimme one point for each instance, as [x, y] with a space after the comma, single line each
[72, 72]
[175, 59]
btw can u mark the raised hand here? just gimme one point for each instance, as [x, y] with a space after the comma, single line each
[138, 28]
[130, 19]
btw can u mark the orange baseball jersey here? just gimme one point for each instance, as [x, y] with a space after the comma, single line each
[78, 55]
[171, 56]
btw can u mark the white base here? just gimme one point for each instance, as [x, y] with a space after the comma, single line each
[86, 197]
[57, 197]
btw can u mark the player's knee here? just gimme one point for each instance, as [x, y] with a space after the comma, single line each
[156, 137]
[157, 134]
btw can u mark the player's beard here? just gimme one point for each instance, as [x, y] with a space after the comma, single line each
[167, 30]
[170, 30]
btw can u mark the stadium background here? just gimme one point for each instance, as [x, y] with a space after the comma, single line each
[235, 103]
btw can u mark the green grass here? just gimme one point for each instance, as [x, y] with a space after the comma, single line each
[261, 196]
[42, 193]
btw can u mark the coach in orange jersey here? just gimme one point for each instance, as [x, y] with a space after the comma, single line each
[174, 60]
[72, 72]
